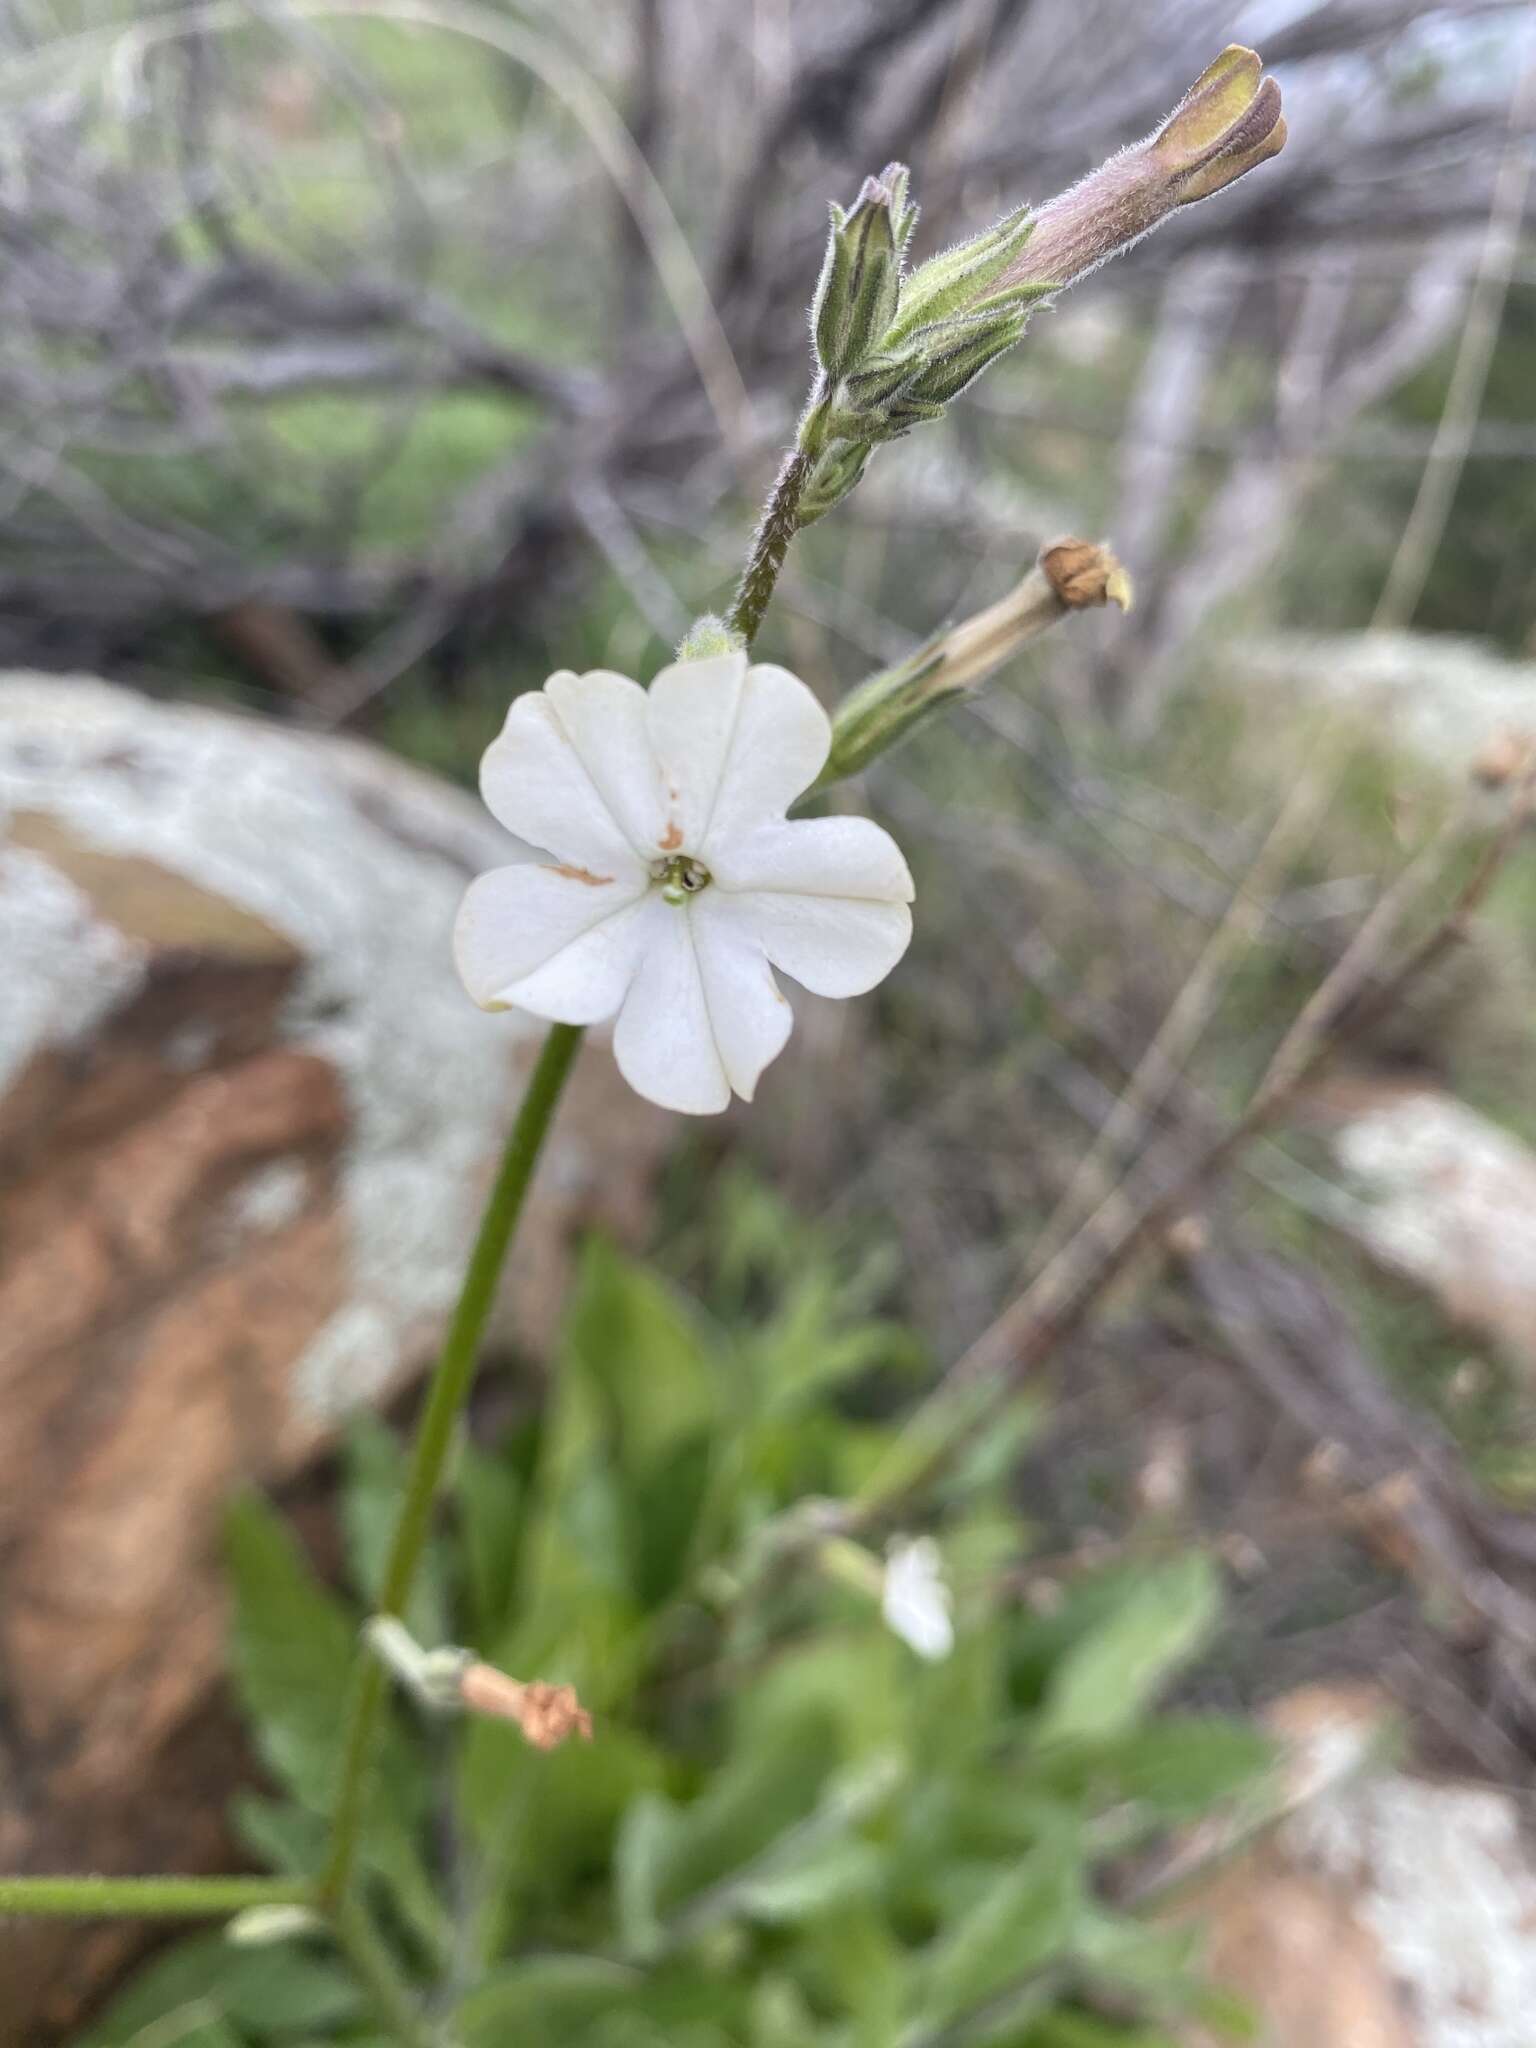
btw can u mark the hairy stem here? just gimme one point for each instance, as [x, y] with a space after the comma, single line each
[445, 1400]
[770, 543]
[147, 1898]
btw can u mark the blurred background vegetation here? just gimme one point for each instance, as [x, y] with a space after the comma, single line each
[359, 371]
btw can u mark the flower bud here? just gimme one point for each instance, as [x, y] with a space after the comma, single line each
[892, 394]
[861, 273]
[833, 475]
[709, 635]
[959, 352]
[1226, 124]
[262, 1926]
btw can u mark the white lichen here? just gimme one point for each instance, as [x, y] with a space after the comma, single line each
[360, 864]
[61, 968]
[1441, 1876]
[268, 1199]
[1449, 1199]
[1438, 698]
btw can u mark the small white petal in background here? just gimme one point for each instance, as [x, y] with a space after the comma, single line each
[671, 883]
[916, 1602]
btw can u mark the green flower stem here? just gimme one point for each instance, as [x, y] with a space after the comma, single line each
[1069, 575]
[446, 1396]
[388, 1992]
[775, 530]
[147, 1898]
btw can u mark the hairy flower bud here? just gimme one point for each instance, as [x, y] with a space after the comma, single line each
[860, 275]
[895, 350]
[707, 636]
[959, 352]
[1227, 124]
[833, 475]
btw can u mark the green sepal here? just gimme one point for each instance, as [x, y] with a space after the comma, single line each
[963, 351]
[954, 280]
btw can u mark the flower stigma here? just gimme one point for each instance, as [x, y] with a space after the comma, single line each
[680, 877]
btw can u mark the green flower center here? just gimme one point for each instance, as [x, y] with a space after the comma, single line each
[680, 877]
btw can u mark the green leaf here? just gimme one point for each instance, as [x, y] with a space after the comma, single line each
[293, 1650]
[854, 1961]
[780, 2016]
[759, 1794]
[647, 1842]
[1177, 1765]
[293, 1654]
[1108, 1679]
[665, 1503]
[288, 1838]
[855, 1677]
[491, 1496]
[1085, 2030]
[544, 1822]
[543, 1999]
[374, 1462]
[636, 1341]
[675, 2007]
[189, 2026]
[820, 1335]
[1155, 1963]
[833, 1875]
[269, 1990]
[633, 1383]
[744, 1847]
[1022, 1921]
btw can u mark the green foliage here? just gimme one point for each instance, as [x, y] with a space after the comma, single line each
[788, 1829]
[1105, 1681]
[215, 1987]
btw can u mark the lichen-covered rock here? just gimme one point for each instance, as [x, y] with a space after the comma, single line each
[246, 1119]
[1388, 1910]
[1451, 703]
[1441, 1195]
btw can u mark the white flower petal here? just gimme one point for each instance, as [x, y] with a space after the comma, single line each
[748, 1012]
[736, 745]
[607, 777]
[588, 981]
[692, 709]
[817, 857]
[533, 780]
[916, 1602]
[664, 1041]
[604, 716]
[832, 945]
[546, 939]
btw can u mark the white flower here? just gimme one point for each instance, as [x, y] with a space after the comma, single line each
[672, 882]
[915, 1601]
